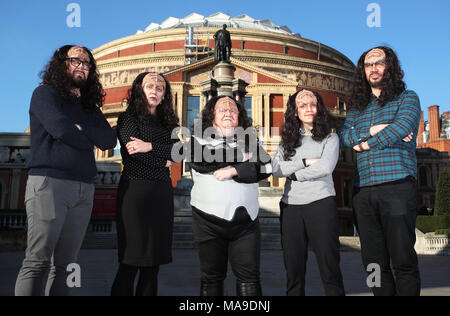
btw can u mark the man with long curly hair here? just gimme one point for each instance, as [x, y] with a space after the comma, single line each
[382, 127]
[66, 125]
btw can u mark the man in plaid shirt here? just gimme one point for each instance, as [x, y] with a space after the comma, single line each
[382, 128]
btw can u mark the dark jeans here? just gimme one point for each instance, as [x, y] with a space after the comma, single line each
[316, 223]
[386, 221]
[219, 240]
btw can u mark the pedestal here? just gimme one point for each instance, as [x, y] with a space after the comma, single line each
[223, 83]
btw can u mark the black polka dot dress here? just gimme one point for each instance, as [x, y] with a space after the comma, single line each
[145, 196]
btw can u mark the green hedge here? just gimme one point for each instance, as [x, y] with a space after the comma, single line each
[443, 232]
[442, 203]
[427, 224]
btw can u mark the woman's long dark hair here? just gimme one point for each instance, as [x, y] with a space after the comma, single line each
[55, 74]
[290, 132]
[138, 104]
[208, 113]
[392, 83]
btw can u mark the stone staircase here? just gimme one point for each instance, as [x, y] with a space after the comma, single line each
[183, 237]
[102, 234]
[268, 217]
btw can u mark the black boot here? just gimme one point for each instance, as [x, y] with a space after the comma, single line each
[248, 289]
[211, 288]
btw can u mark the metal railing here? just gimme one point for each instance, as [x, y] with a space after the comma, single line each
[13, 219]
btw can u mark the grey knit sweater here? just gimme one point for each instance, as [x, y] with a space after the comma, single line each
[314, 182]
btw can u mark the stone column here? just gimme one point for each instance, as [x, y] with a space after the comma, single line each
[179, 103]
[209, 89]
[259, 115]
[224, 75]
[239, 90]
[285, 101]
[266, 117]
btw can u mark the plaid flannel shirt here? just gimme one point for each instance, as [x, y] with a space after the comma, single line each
[389, 157]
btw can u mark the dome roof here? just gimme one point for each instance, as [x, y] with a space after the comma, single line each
[218, 20]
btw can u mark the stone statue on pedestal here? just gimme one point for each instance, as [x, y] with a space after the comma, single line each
[222, 51]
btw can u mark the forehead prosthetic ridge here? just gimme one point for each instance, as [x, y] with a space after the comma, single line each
[78, 51]
[305, 97]
[375, 54]
[155, 79]
[226, 102]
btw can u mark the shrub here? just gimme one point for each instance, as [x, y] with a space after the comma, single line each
[442, 204]
[427, 224]
[442, 232]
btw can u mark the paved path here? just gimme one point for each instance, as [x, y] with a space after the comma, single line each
[181, 277]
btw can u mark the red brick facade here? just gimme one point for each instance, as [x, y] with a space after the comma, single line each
[434, 141]
[248, 45]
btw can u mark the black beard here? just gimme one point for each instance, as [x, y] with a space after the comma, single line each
[377, 84]
[77, 82]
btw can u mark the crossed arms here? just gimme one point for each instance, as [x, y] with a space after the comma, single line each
[45, 106]
[309, 168]
[380, 136]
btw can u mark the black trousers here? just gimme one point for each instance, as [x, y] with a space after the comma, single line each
[218, 241]
[124, 282]
[317, 224]
[386, 221]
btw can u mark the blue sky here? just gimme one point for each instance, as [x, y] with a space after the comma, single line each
[30, 31]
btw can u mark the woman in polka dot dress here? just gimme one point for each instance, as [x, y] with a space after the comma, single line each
[145, 196]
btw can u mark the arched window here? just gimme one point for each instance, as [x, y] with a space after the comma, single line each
[348, 192]
[341, 106]
[423, 177]
[248, 106]
[2, 191]
[342, 154]
[193, 110]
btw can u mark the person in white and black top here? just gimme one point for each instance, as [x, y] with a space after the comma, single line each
[224, 197]
[145, 196]
[307, 156]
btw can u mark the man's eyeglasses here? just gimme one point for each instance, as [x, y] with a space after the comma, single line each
[377, 63]
[76, 62]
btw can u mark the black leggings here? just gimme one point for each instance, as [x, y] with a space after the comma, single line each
[124, 283]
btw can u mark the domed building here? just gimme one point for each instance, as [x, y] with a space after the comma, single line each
[271, 59]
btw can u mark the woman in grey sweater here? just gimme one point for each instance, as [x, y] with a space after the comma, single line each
[307, 156]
